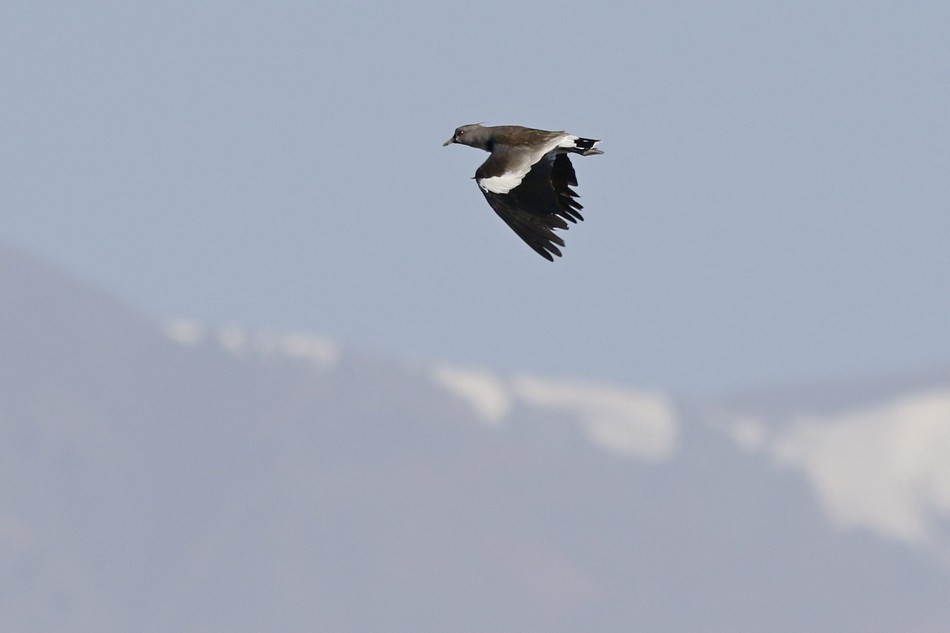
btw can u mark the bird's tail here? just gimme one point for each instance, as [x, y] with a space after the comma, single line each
[586, 147]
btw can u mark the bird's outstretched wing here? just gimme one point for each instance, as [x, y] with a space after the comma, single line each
[541, 202]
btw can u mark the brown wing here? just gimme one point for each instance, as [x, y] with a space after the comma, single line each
[539, 204]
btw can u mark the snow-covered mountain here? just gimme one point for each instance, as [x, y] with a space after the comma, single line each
[176, 476]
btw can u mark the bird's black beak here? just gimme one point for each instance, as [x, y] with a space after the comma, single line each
[449, 142]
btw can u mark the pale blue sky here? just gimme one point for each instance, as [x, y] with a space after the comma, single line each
[773, 205]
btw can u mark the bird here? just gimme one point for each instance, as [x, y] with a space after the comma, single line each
[527, 179]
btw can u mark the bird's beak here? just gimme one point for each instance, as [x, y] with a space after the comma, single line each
[449, 142]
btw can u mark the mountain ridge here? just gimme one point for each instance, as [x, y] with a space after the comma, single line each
[155, 483]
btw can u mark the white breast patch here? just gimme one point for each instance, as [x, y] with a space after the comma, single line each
[506, 182]
[502, 184]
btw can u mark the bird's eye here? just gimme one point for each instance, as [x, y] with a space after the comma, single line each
[460, 133]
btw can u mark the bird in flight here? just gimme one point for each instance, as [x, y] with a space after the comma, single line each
[527, 179]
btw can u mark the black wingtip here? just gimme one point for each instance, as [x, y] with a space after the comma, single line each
[549, 254]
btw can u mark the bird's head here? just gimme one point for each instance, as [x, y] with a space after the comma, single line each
[472, 134]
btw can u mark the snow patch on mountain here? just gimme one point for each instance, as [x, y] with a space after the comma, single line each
[485, 392]
[638, 424]
[240, 341]
[185, 331]
[631, 423]
[748, 432]
[884, 468]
